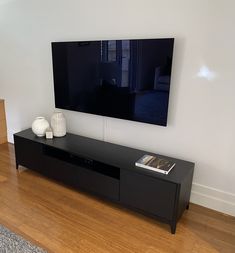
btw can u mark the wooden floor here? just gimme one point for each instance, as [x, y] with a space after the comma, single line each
[61, 219]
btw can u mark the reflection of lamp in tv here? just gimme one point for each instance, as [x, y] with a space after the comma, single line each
[109, 72]
[161, 80]
[162, 76]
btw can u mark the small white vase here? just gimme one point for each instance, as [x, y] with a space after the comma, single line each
[39, 126]
[58, 124]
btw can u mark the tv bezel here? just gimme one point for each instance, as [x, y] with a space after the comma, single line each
[109, 116]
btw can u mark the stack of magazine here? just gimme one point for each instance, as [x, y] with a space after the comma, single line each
[155, 163]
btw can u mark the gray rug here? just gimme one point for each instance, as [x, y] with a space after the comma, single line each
[12, 243]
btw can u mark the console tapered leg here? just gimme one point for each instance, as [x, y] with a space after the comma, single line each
[173, 227]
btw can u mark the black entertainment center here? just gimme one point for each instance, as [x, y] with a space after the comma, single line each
[108, 170]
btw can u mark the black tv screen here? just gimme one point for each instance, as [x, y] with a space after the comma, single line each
[126, 79]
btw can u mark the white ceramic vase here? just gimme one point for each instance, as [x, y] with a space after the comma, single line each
[58, 124]
[39, 126]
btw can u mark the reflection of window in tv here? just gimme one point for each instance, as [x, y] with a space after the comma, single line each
[112, 45]
[125, 62]
[109, 51]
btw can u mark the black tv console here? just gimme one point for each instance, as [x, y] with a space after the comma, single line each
[109, 170]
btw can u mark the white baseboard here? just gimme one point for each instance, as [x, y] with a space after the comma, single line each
[10, 138]
[213, 198]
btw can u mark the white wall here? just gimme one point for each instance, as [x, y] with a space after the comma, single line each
[201, 113]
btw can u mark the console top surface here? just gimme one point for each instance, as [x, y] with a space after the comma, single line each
[109, 153]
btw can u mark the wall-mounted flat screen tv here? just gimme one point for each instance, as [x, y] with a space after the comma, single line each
[126, 79]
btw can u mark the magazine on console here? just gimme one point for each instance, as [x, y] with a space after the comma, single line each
[155, 163]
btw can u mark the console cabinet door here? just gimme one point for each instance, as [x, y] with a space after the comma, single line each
[28, 153]
[149, 194]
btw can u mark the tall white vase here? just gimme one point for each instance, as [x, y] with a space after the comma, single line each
[58, 124]
[39, 126]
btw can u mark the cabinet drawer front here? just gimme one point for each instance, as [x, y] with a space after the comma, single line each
[28, 153]
[60, 171]
[148, 194]
[99, 184]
